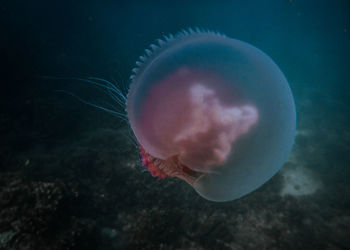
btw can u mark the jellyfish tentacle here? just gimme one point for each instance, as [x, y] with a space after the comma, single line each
[111, 89]
[118, 114]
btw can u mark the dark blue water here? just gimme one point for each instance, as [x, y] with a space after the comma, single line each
[70, 176]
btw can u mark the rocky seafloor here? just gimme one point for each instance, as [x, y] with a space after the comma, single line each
[71, 179]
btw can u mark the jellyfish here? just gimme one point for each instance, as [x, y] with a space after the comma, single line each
[213, 111]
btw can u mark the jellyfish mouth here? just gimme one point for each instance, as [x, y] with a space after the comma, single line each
[170, 167]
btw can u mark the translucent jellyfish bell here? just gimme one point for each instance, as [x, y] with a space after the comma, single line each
[213, 111]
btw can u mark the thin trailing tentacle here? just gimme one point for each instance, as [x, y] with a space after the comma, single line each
[87, 80]
[113, 91]
[111, 87]
[118, 114]
[116, 94]
[132, 138]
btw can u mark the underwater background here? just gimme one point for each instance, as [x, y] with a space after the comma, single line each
[70, 175]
